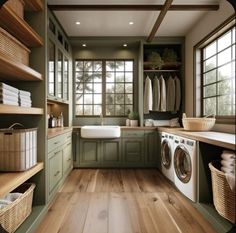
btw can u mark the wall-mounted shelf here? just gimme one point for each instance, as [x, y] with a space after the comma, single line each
[19, 28]
[10, 181]
[155, 71]
[33, 5]
[11, 109]
[15, 71]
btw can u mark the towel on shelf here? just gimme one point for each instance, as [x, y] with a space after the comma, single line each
[174, 122]
[163, 94]
[231, 180]
[8, 102]
[228, 170]
[25, 99]
[8, 87]
[170, 95]
[177, 94]
[9, 98]
[12, 196]
[229, 164]
[7, 92]
[147, 103]
[228, 155]
[156, 94]
[24, 93]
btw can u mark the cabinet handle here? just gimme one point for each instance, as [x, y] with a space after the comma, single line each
[57, 173]
[55, 153]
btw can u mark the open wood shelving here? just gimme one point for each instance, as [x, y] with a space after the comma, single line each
[33, 5]
[15, 110]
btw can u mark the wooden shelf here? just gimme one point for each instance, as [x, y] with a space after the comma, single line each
[33, 5]
[11, 109]
[155, 71]
[19, 28]
[10, 181]
[15, 71]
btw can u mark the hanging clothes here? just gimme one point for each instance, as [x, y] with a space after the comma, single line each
[163, 94]
[147, 102]
[156, 94]
[177, 93]
[170, 95]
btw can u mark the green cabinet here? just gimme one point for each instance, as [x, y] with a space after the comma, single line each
[67, 158]
[151, 142]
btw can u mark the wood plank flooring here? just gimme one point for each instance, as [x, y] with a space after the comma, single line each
[121, 201]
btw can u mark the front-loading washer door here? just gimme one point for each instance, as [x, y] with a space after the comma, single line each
[165, 154]
[182, 164]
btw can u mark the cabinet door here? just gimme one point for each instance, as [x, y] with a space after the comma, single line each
[66, 78]
[59, 73]
[133, 152]
[51, 68]
[151, 156]
[89, 152]
[111, 152]
[67, 157]
[55, 168]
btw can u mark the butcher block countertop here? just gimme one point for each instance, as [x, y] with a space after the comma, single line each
[225, 140]
[58, 131]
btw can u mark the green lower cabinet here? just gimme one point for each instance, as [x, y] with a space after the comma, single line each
[67, 158]
[89, 153]
[111, 153]
[151, 143]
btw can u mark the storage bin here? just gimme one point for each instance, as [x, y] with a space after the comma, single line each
[14, 214]
[17, 6]
[223, 196]
[14, 49]
[18, 149]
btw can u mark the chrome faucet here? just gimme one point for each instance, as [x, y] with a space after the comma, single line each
[101, 116]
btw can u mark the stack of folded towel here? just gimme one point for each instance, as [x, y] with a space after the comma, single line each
[8, 199]
[228, 166]
[25, 98]
[8, 94]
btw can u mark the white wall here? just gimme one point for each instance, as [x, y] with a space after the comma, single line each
[208, 23]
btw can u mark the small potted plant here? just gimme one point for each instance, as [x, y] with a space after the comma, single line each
[133, 117]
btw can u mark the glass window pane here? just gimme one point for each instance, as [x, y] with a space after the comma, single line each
[110, 110]
[79, 88]
[88, 88]
[97, 109]
[128, 66]
[79, 109]
[128, 109]
[120, 99]
[224, 41]
[210, 50]
[97, 88]
[79, 66]
[97, 99]
[110, 77]
[128, 99]
[225, 105]
[233, 51]
[128, 77]
[79, 76]
[128, 88]
[225, 87]
[120, 66]
[119, 110]
[97, 66]
[110, 66]
[97, 77]
[88, 99]
[88, 109]
[110, 98]
[78, 99]
[110, 88]
[120, 77]
[225, 72]
[88, 66]
[233, 33]
[210, 90]
[120, 88]
[88, 76]
[210, 106]
[224, 56]
[209, 77]
[210, 64]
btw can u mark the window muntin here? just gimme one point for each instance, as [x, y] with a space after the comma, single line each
[218, 75]
[103, 86]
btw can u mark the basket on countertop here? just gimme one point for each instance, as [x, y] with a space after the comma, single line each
[12, 48]
[14, 214]
[223, 195]
[18, 148]
[198, 123]
[17, 6]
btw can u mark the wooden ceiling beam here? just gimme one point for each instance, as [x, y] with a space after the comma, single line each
[132, 7]
[159, 20]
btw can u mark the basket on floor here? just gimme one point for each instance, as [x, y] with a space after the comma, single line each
[223, 196]
[14, 214]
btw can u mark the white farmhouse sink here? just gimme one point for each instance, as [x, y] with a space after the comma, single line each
[100, 131]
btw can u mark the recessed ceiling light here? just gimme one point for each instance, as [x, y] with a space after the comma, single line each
[131, 23]
[125, 45]
[77, 23]
[84, 45]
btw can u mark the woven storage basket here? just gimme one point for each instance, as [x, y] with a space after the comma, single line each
[17, 6]
[198, 124]
[223, 196]
[12, 48]
[14, 214]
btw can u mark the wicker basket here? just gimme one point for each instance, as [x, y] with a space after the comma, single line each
[223, 196]
[13, 215]
[17, 6]
[11, 47]
[198, 124]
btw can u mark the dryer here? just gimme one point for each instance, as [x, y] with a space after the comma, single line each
[167, 167]
[185, 166]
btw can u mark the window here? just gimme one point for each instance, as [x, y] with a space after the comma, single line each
[218, 75]
[103, 86]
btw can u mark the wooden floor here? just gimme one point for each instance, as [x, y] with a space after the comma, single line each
[121, 201]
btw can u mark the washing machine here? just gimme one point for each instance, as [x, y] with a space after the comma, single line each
[185, 166]
[167, 168]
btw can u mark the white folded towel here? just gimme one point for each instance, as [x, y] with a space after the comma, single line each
[228, 170]
[229, 164]
[5, 202]
[24, 93]
[147, 102]
[2, 206]
[8, 102]
[7, 92]
[228, 156]
[231, 180]
[161, 123]
[174, 122]
[8, 87]
[12, 196]
[25, 104]
[9, 98]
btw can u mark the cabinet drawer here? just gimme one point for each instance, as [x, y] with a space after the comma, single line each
[132, 133]
[67, 157]
[67, 137]
[55, 169]
[54, 143]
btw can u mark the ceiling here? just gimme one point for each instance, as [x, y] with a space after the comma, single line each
[116, 23]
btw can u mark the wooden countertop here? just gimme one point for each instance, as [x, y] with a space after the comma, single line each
[127, 128]
[225, 140]
[58, 131]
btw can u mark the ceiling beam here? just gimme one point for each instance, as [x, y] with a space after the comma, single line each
[159, 20]
[132, 7]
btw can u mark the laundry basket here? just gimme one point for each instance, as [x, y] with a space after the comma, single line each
[14, 214]
[223, 196]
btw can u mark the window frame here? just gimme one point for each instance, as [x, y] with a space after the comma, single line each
[103, 82]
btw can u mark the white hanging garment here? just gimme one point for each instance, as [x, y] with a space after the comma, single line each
[163, 94]
[170, 95]
[156, 94]
[177, 93]
[147, 102]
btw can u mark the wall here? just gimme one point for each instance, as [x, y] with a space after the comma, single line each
[107, 49]
[207, 24]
